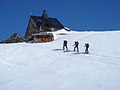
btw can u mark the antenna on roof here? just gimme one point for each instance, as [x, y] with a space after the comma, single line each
[30, 12]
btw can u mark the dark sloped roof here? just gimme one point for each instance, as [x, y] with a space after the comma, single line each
[50, 22]
[42, 24]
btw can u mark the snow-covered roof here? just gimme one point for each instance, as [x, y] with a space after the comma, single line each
[42, 33]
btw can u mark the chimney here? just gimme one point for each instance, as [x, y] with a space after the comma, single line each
[44, 15]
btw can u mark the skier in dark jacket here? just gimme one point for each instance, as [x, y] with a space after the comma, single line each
[65, 45]
[86, 48]
[76, 46]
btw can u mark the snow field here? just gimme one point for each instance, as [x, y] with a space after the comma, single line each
[44, 66]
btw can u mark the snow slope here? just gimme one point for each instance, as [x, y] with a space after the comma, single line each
[44, 66]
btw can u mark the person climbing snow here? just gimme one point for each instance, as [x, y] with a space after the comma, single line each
[76, 46]
[86, 48]
[65, 45]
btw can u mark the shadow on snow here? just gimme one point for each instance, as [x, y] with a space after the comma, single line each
[74, 52]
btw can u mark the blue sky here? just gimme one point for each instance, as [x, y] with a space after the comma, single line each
[75, 14]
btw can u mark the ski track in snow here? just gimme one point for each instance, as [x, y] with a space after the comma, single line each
[99, 58]
[4, 63]
[106, 59]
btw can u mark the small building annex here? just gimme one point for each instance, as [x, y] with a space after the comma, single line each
[43, 37]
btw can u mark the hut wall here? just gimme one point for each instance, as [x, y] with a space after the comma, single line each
[40, 39]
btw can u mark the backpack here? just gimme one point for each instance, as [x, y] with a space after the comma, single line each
[87, 45]
[65, 42]
[76, 43]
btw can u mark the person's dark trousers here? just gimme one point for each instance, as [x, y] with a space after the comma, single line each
[76, 47]
[86, 51]
[65, 46]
